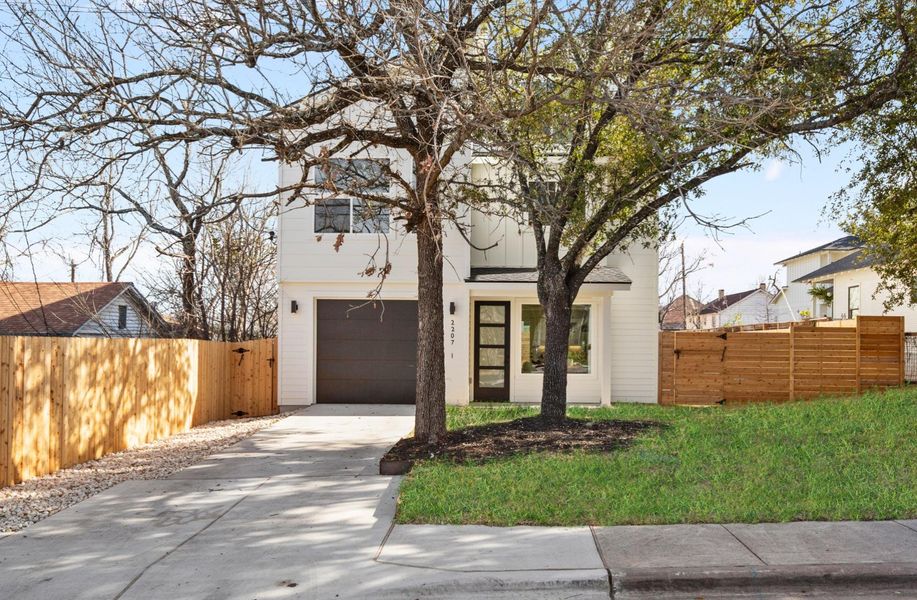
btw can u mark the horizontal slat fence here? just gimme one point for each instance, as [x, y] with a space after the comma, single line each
[64, 401]
[794, 361]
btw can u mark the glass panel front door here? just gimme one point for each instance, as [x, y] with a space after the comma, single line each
[491, 351]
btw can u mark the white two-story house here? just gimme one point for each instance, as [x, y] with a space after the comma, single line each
[842, 268]
[336, 348]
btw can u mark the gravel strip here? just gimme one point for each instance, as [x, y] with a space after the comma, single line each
[39, 498]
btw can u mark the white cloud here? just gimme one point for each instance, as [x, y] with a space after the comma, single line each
[773, 170]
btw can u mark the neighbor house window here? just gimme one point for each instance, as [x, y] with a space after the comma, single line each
[122, 316]
[349, 215]
[853, 301]
[534, 335]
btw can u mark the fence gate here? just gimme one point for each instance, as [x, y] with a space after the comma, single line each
[699, 367]
[252, 370]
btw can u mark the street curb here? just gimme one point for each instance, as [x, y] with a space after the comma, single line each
[765, 578]
[541, 585]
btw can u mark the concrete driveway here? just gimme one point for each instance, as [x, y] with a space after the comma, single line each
[295, 511]
[288, 512]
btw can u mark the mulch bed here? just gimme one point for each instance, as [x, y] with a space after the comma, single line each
[526, 435]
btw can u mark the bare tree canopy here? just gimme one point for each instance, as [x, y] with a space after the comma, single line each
[301, 82]
[234, 277]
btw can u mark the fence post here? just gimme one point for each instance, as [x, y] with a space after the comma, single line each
[859, 335]
[675, 367]
[902, 357]
[792, 361]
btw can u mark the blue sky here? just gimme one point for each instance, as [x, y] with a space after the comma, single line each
[793, 195]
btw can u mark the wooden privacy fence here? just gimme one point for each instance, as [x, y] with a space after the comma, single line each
[799, 360]
[68, 400]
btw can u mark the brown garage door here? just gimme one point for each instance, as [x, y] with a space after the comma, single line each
[367, 355]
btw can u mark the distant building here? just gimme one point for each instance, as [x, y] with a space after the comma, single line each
[842, 269]
[672, 316]
[741, 308]
[795, 296]
[81, 309]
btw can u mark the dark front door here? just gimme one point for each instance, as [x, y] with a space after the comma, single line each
[491, 351]
[366, 355]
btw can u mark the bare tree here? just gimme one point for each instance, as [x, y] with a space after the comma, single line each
[235, 276]
[303, 82]
[671, 95]
[674, 271]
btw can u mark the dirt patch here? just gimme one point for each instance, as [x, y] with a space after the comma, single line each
[530, 434]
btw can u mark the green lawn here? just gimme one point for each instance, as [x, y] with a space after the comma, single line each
[828, 459]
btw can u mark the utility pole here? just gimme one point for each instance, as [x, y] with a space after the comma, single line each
[684, 291]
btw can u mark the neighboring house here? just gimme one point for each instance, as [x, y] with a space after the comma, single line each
[82, 309]
[795, 296]
[334, 347]
[855, 284]
[741, 308]
[672, 316]
[841, 267]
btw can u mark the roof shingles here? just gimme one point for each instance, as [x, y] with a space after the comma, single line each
[35, 308]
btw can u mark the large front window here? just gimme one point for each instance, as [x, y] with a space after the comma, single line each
[534, 334]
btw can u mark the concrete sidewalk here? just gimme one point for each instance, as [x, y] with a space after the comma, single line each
[298, 511]
[680, 560]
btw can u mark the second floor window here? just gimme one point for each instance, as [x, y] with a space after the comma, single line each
[351, 215]
[122, 316]
[344, 215]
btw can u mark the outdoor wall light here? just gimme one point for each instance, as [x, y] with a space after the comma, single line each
[452, 308]
[294, 306]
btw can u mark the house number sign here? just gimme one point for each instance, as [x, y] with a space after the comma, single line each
[451, 337]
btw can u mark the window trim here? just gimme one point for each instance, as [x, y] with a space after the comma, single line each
[593, 315]
[122, 316]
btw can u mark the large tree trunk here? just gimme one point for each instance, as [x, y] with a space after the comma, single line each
[430, 414]
[557, 305]
[190, 293]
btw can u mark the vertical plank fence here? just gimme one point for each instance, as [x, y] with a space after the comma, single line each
[68, 400]
[780, 363]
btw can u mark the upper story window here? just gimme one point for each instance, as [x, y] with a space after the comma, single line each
[348, 177]
[122, 316]
[345, 215]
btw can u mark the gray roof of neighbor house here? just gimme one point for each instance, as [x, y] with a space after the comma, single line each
[726, 301]
[607, 275]
[857, 260]
[49, 308]
[848, 242]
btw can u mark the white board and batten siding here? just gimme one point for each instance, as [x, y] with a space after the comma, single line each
[310, 269]
[634, 321]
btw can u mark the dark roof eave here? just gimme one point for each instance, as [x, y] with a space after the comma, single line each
[514, 275]
[851, 262]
